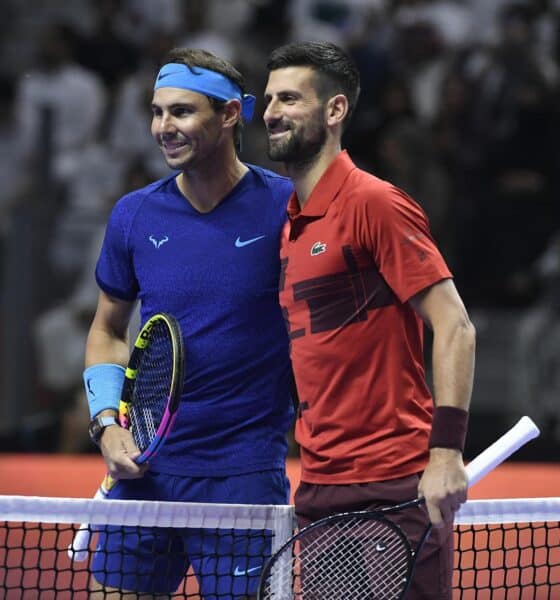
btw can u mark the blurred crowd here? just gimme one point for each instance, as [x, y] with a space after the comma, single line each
[459, 107]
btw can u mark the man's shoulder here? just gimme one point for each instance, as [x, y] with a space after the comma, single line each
[267, 173]
[273, 186]
[139, 194]
[361, 187]
[271, 178]
[128, 205]
[369, 181]
[364, 191]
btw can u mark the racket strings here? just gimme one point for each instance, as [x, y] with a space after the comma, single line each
[352, 559]
[152, 387]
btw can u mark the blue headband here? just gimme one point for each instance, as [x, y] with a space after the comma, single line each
[205, 82]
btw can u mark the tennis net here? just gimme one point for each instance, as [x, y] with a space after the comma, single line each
[508, 550]
[505, 549]
[225, 543]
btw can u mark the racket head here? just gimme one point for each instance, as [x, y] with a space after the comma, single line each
[349, 555]
[153, 384]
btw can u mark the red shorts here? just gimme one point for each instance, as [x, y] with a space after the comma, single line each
[434, 566]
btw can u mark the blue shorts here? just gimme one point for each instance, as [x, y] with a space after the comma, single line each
[227, 563]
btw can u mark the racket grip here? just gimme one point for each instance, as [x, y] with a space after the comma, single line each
[78, 550]
[523, 431]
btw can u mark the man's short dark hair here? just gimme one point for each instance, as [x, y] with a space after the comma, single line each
[195, 57]
[335, 69]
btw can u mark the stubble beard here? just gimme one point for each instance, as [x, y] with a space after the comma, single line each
[300, 148]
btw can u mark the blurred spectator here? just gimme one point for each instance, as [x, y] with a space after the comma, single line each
[89, 196]
[103, 49]
[129, 135]
[138, 20]
[371, 48]
[74, 96]
[393, 104]
[338, 21]
[60, 334]
[485, 15]
[516, 124]
[457, 153]
[218, 26]
[422, 57]
[13, 174]
[451, 21]
[536, 370]
[22, 25]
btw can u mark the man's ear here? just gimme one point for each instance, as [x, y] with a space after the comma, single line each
[337, 109]
[232, 112]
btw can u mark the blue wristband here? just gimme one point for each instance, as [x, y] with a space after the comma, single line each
[103, 385]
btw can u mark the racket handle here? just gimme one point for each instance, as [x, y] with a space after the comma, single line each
[78, 550]
[523, 431]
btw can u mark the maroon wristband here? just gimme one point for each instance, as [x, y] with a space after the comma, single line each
[449, 428]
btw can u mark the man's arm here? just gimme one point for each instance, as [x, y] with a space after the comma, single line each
[444, 482]
[107, 343]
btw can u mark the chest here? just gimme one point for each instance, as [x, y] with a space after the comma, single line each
[193, 257]
[315, 249]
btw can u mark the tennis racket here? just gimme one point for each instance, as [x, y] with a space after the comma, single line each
[149, 400]
[365, 554]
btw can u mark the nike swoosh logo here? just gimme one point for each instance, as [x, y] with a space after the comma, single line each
[89, 387]
[239, 571]
[380, 547]
[240, 244]
[166, 75]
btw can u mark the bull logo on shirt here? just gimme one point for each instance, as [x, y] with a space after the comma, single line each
[158, 243]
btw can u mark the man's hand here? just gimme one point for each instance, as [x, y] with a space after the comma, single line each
[119, 451]
[443, 485]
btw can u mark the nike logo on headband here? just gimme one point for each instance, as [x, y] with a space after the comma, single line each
[162, 75]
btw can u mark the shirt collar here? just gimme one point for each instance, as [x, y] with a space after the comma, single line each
[326, 189]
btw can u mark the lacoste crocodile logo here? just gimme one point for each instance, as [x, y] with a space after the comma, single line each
[318, 248]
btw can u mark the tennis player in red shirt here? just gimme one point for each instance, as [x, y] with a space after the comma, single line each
[361, 275]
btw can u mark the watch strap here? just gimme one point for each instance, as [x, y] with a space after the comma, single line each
[98, 425]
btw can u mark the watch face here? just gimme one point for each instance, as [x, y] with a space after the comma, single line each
[97, 425]
[95, 430]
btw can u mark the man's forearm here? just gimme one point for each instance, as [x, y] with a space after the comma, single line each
[453, 367]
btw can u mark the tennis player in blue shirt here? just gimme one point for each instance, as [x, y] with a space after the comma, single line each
[203, 245]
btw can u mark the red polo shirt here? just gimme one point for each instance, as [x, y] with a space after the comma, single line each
[351, 259]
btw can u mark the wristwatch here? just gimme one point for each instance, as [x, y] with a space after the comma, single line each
[97, 426]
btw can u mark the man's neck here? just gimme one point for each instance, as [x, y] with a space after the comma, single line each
[205, 186]
[305, 177]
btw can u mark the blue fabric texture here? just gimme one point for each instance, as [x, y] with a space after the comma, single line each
[218, 274]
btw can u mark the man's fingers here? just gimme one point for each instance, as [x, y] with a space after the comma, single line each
[443, 510]
[447, 513]
[435, 514]
[130, 449]
[126, 468]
